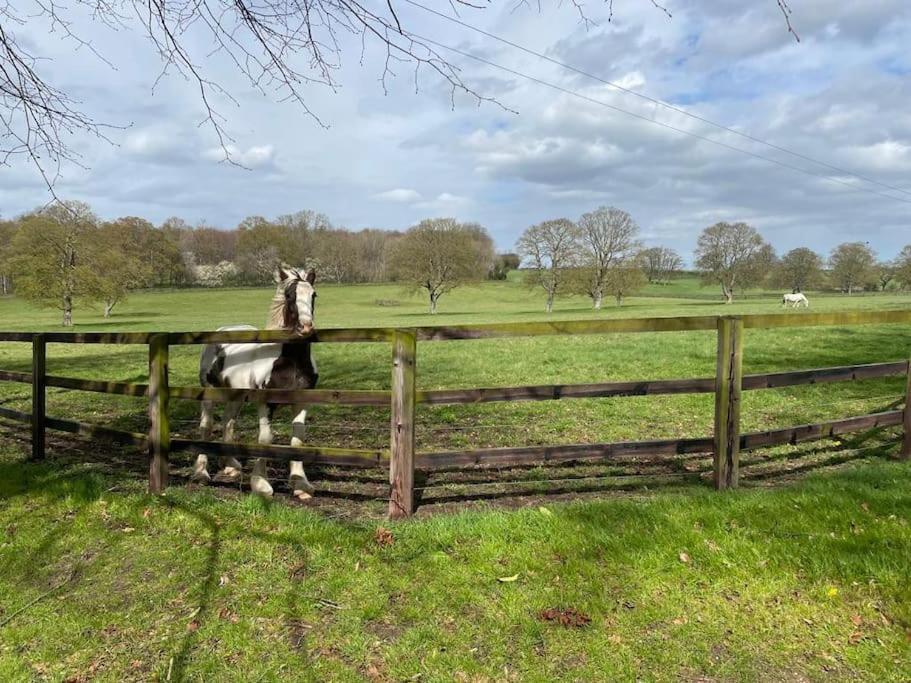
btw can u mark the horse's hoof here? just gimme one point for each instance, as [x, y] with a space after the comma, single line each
[201, 477]
[260, 486]
[230, 473]
[301, 485]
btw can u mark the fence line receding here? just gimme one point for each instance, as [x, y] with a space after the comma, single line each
[403, 459]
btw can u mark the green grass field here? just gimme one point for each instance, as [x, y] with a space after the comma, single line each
[792, 578]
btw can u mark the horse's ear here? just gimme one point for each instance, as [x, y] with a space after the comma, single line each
[311, 277]
[281, 273]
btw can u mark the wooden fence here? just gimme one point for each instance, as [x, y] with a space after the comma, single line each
[402, 457]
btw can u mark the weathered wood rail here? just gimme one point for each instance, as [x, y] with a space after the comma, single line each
[402, 457]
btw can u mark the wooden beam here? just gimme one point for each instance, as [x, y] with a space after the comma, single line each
[85, 429]
[39, 397]
[159, 429]
[309, 455]
[563, 453]
[728, 387]
[905, 452]
[819, 430]
[285, 396]
[16, 415]
[11, 376]
[401, 452]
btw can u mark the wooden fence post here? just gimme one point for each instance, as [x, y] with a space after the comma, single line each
[728, 386]
[159, 430]
[905, 453]
[401, 460]
[39, 399]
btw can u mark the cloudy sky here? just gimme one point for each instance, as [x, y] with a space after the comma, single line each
[388, 159]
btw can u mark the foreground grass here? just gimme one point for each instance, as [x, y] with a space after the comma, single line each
[806, 582]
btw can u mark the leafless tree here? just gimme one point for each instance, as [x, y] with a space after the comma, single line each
[608, 239]
[265, 40]
[551, 250]
[660, 263]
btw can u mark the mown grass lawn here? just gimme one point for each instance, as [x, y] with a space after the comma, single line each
[808, 579]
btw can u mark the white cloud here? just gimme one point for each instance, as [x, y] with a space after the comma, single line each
[255, 156]
[839, 95]
[400, 194]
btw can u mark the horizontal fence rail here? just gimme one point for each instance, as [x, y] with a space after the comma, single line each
[402, 457]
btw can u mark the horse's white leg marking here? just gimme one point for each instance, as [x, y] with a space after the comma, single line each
[206, 421]
[298, 424]
[200, 467]
[265, 424]
[300, 486]
[230, 467]
[259, 483]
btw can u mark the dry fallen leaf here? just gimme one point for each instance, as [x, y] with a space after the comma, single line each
[685, 558]
[569, 617]
[193, 626]
[383, 537]
[856, 619]
[508, 579]
[855, 637]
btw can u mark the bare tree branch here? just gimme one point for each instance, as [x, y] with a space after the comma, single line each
[279, 47]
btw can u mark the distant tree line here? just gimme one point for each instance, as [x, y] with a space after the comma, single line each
[601, 255]
[61, 254]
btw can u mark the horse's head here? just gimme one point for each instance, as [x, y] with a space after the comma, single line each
[296, 287]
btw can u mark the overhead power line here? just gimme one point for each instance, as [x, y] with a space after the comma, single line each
[668, 126]
[660, 102]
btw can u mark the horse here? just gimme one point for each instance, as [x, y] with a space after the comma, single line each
[795, 300]
[264, 366]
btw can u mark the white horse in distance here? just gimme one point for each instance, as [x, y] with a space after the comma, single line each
[795, 300]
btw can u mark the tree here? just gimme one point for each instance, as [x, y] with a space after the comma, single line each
[272, 44]
[438, 255]
[7, 233]
[851, 264]
[903, 267]
[52, 258]
[733, 255]
[607, 239]
[625, 279]
[551, 249]
[122, 258]
[502, 265]
[660, 263]
[799, 269]
[885, 272]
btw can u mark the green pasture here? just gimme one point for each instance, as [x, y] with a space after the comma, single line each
[799, 578]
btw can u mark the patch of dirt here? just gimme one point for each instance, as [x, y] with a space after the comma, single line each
[568, 617]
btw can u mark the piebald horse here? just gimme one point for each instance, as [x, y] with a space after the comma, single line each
[795, 300]
[264, 366]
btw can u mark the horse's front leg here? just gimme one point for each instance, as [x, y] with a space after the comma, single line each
[259, 478]
[201, 466]
[230, 466]
[300, 486]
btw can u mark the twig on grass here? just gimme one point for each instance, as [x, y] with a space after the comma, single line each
[41, 597]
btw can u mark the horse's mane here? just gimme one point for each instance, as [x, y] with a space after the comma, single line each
[277, 316]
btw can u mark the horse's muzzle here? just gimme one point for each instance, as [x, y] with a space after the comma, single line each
[304, 330]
